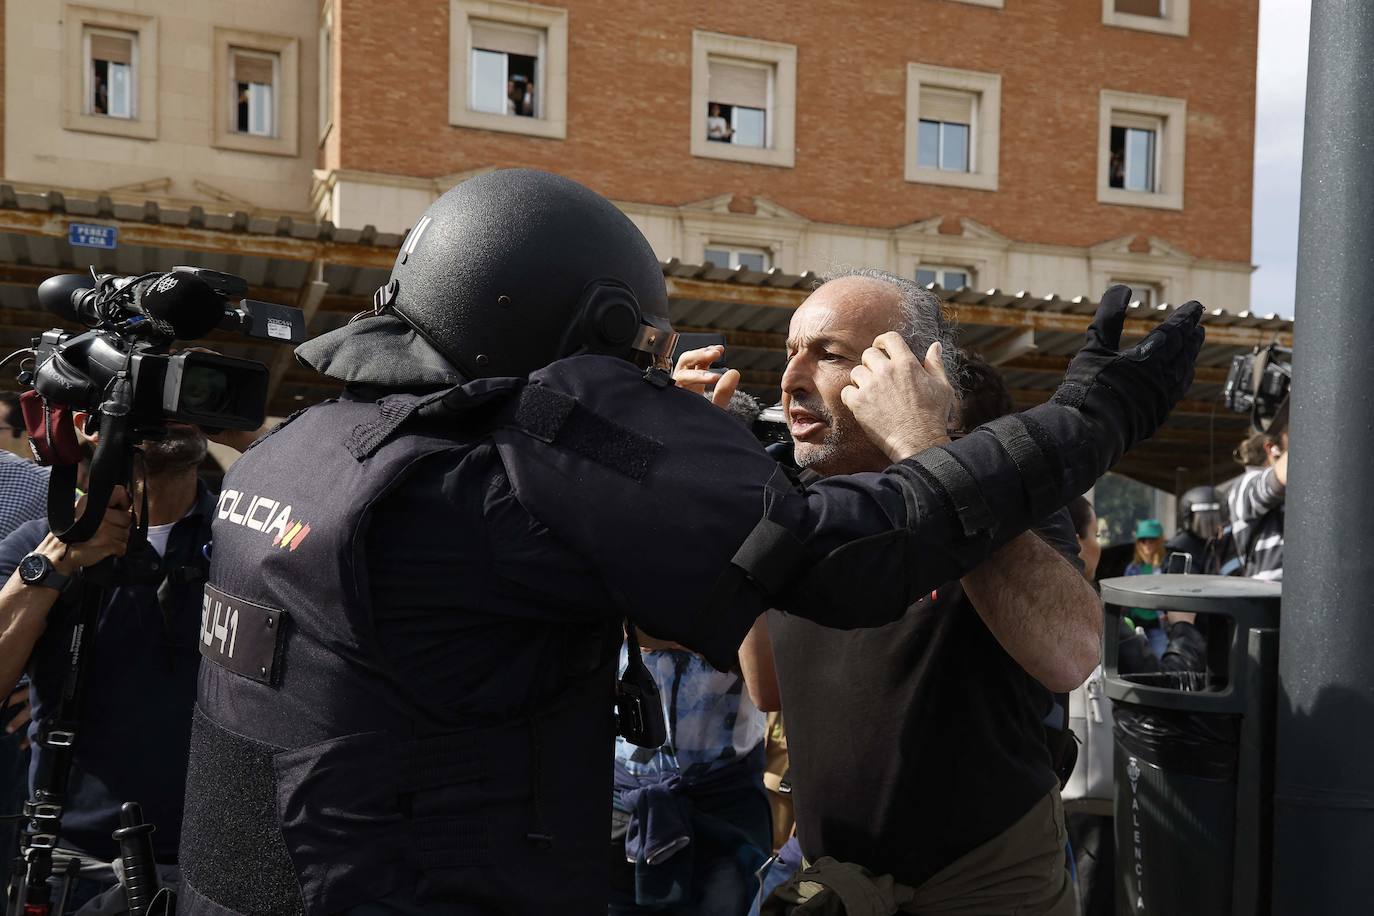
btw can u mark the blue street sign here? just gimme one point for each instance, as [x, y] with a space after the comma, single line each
[89, 235]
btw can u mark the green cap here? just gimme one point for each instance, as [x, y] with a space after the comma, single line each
[1148, 528]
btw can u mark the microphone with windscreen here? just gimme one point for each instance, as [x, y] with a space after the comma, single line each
[181, 305]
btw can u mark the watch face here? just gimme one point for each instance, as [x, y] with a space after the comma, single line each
[33, 568]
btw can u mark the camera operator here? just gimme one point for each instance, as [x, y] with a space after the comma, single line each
[1257, 503]
[134, 728]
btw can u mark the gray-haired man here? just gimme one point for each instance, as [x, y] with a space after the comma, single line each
[917, 749]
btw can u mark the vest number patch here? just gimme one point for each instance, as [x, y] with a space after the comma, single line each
[241, 636]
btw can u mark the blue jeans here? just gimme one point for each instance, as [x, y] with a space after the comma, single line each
[777, 871]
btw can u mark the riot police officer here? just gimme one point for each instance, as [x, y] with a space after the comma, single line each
[416, 595]
[1200, 520]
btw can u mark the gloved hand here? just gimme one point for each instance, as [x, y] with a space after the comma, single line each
[1130, 392]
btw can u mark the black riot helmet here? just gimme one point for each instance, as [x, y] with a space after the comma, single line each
[1199, 511]
[502, 275]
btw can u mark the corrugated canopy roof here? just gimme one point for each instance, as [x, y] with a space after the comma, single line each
[332, 272]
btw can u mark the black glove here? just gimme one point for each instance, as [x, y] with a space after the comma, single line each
[1131, 392]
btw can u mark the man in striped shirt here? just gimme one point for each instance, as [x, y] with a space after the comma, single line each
[1257, 502]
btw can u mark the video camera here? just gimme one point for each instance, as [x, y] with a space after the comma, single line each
[122, 374]
[1258, 384]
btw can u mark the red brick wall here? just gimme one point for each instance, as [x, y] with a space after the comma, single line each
[629, 93]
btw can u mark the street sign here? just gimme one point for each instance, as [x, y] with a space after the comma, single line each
[90, 235]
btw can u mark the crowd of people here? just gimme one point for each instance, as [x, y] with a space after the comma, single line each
[831, 756]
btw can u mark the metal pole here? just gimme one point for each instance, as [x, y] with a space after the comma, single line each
[1324, 785]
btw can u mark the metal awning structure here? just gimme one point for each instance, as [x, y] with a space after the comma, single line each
[331, 273]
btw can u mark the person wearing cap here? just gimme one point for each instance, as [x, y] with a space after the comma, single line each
[418, 591]
[1149, 560]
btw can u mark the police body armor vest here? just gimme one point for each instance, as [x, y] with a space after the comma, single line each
[318, 781]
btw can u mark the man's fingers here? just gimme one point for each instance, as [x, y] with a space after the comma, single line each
[689, 378]
[700, 358]
[861, 375]
[725, 388]
[849, 395]
[934, 362]
[894, 345]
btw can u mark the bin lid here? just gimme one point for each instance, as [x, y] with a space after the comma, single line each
[1202, 594]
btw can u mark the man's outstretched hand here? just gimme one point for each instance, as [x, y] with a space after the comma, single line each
[902, 403]
[1132, 391]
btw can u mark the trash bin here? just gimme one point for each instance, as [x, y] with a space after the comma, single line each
[1194, 753]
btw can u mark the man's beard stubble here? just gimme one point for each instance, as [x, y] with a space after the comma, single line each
[845, 448]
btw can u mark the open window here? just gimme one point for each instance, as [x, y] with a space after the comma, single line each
[743, 99]
[735, 256]
[109, 71]
[508, 67]
[953, 131]
[505, 69]
[1167, 17]
[738, 103]
[255, 83]
[111, 74]
[1140, 160]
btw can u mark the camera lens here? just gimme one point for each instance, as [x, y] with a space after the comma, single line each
[205, 389]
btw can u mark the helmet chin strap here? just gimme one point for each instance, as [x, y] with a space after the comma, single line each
[656, 343]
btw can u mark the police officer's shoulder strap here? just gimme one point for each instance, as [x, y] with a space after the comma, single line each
[560, 419]
[395, 411]
[957, 485]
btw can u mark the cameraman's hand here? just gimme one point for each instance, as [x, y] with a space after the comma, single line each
[111, 539]
[20, 714]
[901, 403]
[693, 372]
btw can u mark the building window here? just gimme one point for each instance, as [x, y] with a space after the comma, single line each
[1140, 159]
[326, 76]
[1134, 153]
[508, 67]
[255, 89]
[1167, 17]
[109, 72]
[953, 130]
[111, 60]
[1147, 294]
[743, 99]
[504, 78]
[738, 102]
[946, 277]
[256, 74]
[944, 130]
[733, 257]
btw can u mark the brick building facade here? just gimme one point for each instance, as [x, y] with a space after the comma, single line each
[1048, 145]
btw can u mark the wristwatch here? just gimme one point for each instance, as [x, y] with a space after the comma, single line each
[37, 570]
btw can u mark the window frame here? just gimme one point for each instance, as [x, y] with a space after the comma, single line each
[1125, 109]
[735, 250]
[77, 23]
[942, 270]
[551, 66]
[286, 51]
[780, 114]
[1156, 288]
[984, 133]
[325, 78]
[1174, 21]
[275, 99]
[88, 66]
